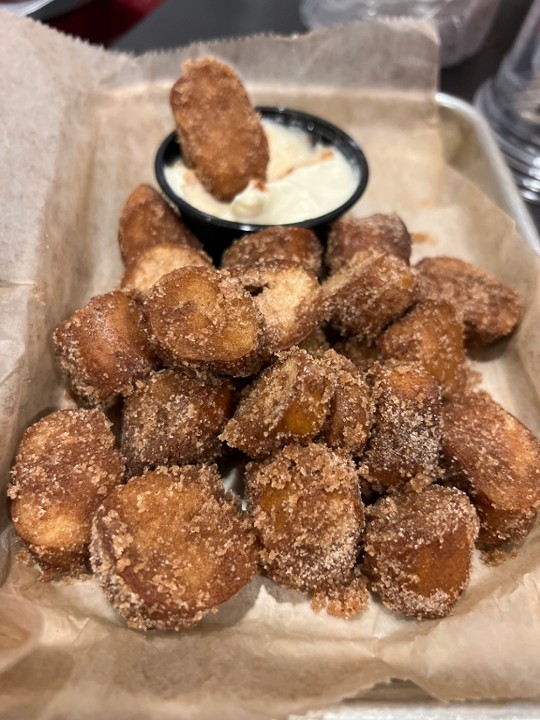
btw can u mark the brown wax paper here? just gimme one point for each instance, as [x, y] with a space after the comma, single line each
[79, 128]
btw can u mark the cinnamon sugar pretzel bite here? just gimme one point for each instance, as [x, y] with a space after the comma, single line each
[496, 459]
[102, 347]
[308, 515]
[288, 297]
[220, 133]
[418, 550]
[153, 262]
[404, 448]
[146, 220]
[202, 318]
[65, 466]
[369, 292]
[489, 309]
[293, 244]
[172, 417]
[171, 546]
[350, 412]
[431, 334]
[288, 402]
[348, 235]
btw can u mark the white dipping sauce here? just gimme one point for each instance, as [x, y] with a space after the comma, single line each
[302, 181]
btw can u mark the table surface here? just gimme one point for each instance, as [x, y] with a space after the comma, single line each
[179, 23]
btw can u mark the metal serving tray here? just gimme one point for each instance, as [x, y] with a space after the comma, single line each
[470, 148]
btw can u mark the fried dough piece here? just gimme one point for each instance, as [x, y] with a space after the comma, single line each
[386, 233]
[373, 289]
[432, 335]
[288, 402]
[293, 244]
[418, 550]
[496, 459]
[404, 448]
[65, 466]
[288, 297]
[153, 262]
[146, 220]
[170, 546]
[308, 515]
[102, 347]
[203, 318]
[502, 527]
[220, 133]
[350, 414]
[173, 418]
[489, 309]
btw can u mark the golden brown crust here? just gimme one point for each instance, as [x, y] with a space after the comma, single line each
[203, 318]
[502, 527]
[148, 266]
[288, 297]
[495, 456]
[293, 244]
[173, 418]
[347, 236]
[369, 292]
[65, 466]
[146, 220]
[404, 447]
[306, 507]
[489, 309]
[432, 335]
[170, 546]
[102, 347]
[288, 402]
[418, 550]
[350, 413]
[221, 135]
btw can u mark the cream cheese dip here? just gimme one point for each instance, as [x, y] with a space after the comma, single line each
[303, 181]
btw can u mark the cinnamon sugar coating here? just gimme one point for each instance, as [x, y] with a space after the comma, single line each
[287, 296]
[502, 527]
[146, 220]
[153, 262]
[348, 235]
[431, 334]
[403, 451]
[350, 413]
[308, 515]
[103, 348]
[369, 292]
[287, 402]
[170, 546]
[293, 244]
[203, 318]
[418, 550]
[344, 601]
[66, 464]
[496, 459]
[489, 309]
[172, 417]
[220, 133]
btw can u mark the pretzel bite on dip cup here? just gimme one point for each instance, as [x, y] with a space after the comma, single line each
[315, 173]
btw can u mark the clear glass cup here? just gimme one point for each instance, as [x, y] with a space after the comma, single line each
[462, 24]
[511, 103]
